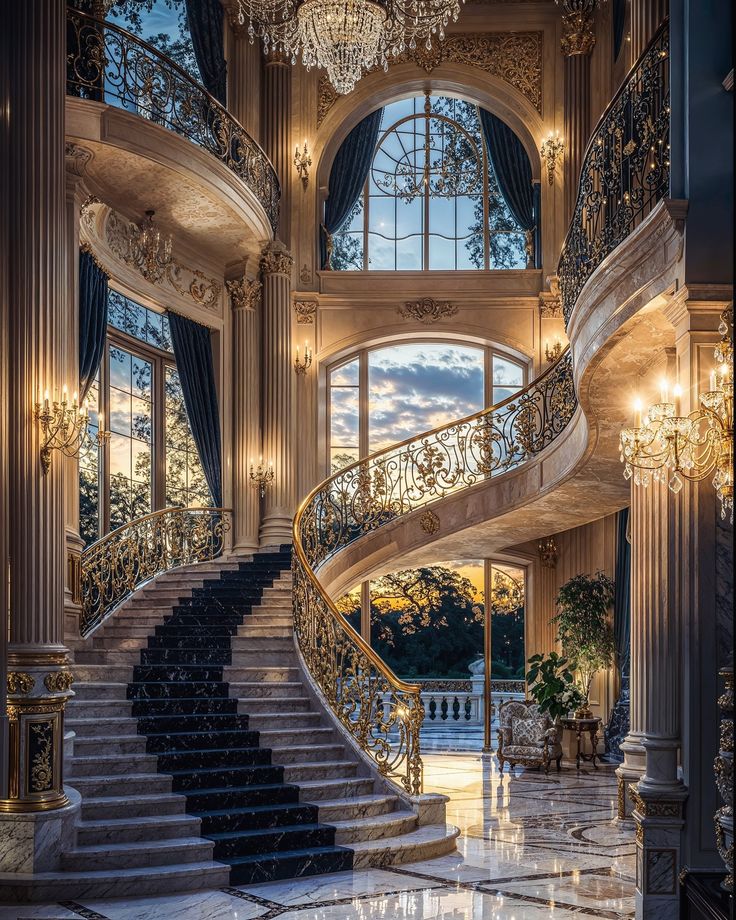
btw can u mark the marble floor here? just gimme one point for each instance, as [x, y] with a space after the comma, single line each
[532, 848]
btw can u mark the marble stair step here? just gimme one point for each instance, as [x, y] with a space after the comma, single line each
[329, 789]
[426, 842]
[94, 726]
[365, 806]
[184, 706]
[330, 769]
[203, 778]
[257, 631]
[122, 744]
[104, 657]
[100, 674]
[309, 753]
[111, 764]
[261, 676]
[162, 723]
[258, 618]
[264, 643]
[139, 614]
[171, 742]
[263, 690]
[257, 817]
[98, 691]
[185, 656]
[250, 870]
[265, 841]
[243, 660]
[172, 689]
[132, 830]
[275, 731]
[133, 784]
[136, 855]
[115, 883]
[229, 798]
[82, 708]
[190, 761]
[116, 631]
[376, 827]
[129, 806]
[254, 705]
[120, 643]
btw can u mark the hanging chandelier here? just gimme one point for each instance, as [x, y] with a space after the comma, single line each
[507, 594]
[345, 37]
[667, 446]
[444, 159]
[150, 252]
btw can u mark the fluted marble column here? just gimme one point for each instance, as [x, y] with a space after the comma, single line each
[646, 17]
[276, 133]
[244, 74]
[577, 43]
[38, 678]
[245, 300]
[279, 444]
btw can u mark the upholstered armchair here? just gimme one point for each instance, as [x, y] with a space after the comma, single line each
[527, 737]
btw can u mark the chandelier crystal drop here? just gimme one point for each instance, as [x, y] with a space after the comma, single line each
[665, 446]
[345, 37]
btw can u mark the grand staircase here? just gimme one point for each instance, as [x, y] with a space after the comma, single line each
[201, 758]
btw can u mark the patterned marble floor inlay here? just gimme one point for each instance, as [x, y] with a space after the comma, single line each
[532, 847]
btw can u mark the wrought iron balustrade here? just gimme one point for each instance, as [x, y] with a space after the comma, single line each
[625, 171]
[383, 713]
[113, 567]
[107, 64]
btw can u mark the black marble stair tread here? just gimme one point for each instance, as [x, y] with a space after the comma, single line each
[269, 840]
[258, 832]
[289, 864]
[231, 797]
[252, 811]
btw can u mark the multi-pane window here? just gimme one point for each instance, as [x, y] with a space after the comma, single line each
[431, 200]
[384, 395]
[150, 460]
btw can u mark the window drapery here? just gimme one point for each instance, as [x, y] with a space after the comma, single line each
[347, 177]
[206, 26]
[93, 297]
[619, 21]
[193, 353]
[622, 594]
[514, 175]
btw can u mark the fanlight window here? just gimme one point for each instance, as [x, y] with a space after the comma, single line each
[431, 200]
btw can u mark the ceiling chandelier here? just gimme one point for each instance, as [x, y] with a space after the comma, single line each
[149, 251]
[444, 161]
[507, 594]
[345, 37]
[667, 446]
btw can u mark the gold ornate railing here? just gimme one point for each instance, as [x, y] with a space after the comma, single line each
[383, 713]
[625, 171]
[113, 567]
[107, 64]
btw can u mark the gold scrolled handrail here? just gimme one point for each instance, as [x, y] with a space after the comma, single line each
[108, 64]
[384, 713]
[113, 567]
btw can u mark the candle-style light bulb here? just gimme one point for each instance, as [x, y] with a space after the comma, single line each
[712, 382]
[664, 391]
[677, 393]
[637, 412]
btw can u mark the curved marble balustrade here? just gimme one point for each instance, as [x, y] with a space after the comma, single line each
[107, 64]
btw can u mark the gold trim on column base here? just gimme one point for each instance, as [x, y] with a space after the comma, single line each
[20, 806]
[18, 660]
[35, 755]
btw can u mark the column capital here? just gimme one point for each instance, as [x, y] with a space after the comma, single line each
[578, 34]
[245, 293]
[276, 259]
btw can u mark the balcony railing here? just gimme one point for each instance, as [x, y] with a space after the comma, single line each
[383, 713]
[113, 567]
[107, 64]
[625, 171]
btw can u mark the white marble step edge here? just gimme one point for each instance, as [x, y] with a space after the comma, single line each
[426, 842]
[376, 827]
[106, 855]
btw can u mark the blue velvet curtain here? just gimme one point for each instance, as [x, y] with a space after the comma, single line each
[347, 176]
[619, 21]
[514, 174]
[206, 25]
[193, 353]
[622, 594]
[92, 319]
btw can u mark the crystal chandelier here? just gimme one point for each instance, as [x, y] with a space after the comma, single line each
[507, 594]
[667, 446]
[445, 162]
[345, 37]
[150, 252]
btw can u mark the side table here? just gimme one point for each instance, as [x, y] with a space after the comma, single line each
[581, 727]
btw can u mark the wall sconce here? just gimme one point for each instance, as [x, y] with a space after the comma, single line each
[552, 354]
[552, 150]
[261, 476]
[302, 161]
[65, 427]
[302, 366]
[548, 553]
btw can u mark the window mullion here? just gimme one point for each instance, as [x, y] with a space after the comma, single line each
[158, 448]
[363, 420]
[103, 403]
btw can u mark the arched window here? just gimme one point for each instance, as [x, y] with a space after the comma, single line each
[431, 200]
[151, 460]
[384, 395]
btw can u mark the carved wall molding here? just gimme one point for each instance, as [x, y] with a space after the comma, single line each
[515, 57]
[100, 224]
[427, 310]
[550, 302]
[245, 293]
[276, 261]
[305, 311]
[429, 522]
[76, 158]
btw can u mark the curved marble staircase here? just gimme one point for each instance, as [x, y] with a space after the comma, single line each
[200, 757]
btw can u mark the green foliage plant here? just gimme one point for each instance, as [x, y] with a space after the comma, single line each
[583, 625]
[552, 685]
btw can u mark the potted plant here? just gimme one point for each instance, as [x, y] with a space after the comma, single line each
[552, 685]
[584, 629]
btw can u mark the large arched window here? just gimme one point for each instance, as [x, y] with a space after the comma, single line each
[431, 199]
[384, 395]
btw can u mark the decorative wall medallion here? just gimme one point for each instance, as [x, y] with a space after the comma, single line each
[58, 681]
[305, 312]
[429, 522]
[245, 293]
[515, 57]
[276, 261]
[40, 752]
[305, 275]
[20, 683]
[427, 310]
